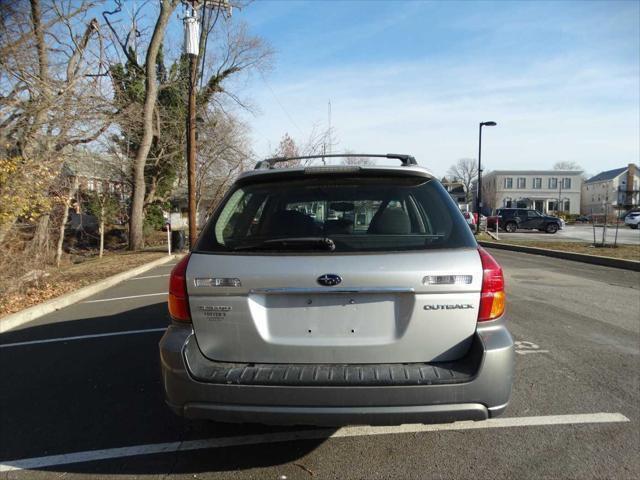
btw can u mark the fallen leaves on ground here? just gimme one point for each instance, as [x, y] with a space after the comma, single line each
[72, 277]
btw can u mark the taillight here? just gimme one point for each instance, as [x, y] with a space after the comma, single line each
[178, 298]
[492, 296]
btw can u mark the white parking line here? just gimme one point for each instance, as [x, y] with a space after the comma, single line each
[170, 447]
[150, 276]
[125, 298]
[81, 337]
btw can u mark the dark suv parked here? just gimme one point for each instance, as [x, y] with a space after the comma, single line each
[511, 219]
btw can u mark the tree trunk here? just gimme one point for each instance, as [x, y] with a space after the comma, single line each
[5, 228]
[43, 76]
[65, 216]
[136, 219]
[40, 241]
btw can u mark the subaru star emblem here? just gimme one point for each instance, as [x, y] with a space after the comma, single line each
[329, 279]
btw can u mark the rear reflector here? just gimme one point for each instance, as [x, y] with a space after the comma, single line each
[447, 280]
[492, 296]
[217, 282]
[178, 298]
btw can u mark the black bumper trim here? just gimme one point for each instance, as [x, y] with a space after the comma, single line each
[318, 375]
[337, 416]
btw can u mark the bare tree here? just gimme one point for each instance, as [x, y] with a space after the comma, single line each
[315, 144]
[223, 154]
[51, 99]
[229, 51]
[136, 216]
[357, 161]
[464, 171]
[567, 165]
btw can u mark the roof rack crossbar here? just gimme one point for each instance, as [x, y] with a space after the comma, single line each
[407, 160]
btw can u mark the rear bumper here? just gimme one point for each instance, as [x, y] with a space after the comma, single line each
[478, 393]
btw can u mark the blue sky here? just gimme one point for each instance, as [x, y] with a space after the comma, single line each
[562, 79]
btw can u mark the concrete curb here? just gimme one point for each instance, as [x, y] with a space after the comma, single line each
[17, 319]
[576, 257]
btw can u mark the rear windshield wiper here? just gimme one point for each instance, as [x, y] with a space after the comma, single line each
[294, 243]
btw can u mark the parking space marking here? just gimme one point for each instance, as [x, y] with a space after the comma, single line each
[524, 347]
[265, 438]
[125, 298]
[150, 276]
[81, 337]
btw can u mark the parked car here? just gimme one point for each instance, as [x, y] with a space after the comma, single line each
[300, 320]
[471, 219]
[512, 219]
[632, 219]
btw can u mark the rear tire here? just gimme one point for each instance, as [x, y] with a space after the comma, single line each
[634, 227]
[510, 227]
[552, 228]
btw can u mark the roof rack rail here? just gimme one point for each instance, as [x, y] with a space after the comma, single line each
[407, 160]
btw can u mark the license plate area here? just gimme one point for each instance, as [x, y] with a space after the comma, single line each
[338, 319]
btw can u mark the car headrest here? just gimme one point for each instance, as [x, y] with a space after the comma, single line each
[342, 226]
[290, 222]
[391, 221]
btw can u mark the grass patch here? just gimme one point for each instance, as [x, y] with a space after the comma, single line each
[625, 252]
[70, 277]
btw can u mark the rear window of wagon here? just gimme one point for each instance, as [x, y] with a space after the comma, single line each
[352, 214]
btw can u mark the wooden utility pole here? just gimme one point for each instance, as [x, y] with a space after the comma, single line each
[191, 152]
[192, 48]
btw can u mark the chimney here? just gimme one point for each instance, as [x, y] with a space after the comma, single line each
[630, 197]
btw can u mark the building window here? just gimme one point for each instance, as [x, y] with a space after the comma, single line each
[567, 205]
[537, 183]
[566, 183]
[553, 183]
[508, 182]
[522, 182]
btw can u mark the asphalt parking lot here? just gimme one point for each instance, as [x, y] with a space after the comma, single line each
[579, 233]
[80, 395]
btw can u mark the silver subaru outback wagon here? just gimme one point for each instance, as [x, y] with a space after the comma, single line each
[337, 295]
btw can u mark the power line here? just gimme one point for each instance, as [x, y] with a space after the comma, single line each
[280, 104]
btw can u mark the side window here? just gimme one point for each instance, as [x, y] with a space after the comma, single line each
[232, 210]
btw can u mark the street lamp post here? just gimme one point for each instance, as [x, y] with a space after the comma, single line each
[479, 194]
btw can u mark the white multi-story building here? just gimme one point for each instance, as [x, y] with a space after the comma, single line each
[613, 190]
[547, 191]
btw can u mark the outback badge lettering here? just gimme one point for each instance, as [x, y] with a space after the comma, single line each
[455, 306]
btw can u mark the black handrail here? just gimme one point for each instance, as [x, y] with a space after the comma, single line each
[407, 160]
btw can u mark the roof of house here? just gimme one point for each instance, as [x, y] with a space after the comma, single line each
[454, 187]
[607, 175]
[534, 172]
[95, 165]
